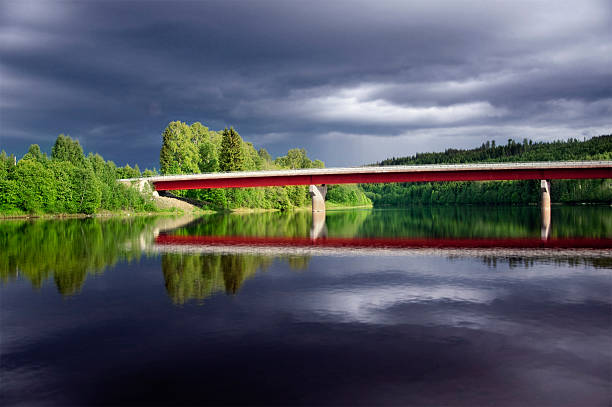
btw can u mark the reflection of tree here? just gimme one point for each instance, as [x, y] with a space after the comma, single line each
[69, 282]
[514, 262]
[67, 250]
[485, 222]
[298, 262]
[415, 221]
[286, 224]
[275, 224]
[236, 269]
[190, 277]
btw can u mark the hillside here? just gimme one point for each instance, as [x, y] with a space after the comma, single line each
[499, 192]
[596, 148]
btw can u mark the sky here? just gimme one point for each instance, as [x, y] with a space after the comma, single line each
[352, 82]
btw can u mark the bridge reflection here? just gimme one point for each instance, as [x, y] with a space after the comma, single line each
[193, 242]
[196, 265]
[190, 239]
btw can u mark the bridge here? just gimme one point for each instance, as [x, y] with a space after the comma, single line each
[319, 178]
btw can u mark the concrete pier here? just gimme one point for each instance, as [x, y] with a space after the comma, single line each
[318, 197]
[545, 191]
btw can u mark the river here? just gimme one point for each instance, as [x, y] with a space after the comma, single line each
[420, 306]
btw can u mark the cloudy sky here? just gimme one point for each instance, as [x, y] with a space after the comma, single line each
[352, 82]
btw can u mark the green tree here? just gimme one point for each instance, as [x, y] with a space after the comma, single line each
[230, 155]
[209, 158]
[67, 149]
[199, 134]
[147, 173]
[36, 186]
[35, 154]
[10, 196]
[6, 164]
[90, 193]
[263, 153]
[296, 158]
[179, 154]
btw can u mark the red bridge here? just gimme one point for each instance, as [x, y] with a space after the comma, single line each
[544, 171]
[363, 175]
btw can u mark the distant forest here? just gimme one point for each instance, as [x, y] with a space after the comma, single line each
[499, 192]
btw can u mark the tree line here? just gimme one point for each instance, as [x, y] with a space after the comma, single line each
[499, 192]
[596, 148]
[67, 182]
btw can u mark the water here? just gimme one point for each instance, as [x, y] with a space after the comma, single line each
[424, 306]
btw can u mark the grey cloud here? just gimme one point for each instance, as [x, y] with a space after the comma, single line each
[292, 74]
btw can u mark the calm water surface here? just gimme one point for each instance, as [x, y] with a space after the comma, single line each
[423, 306]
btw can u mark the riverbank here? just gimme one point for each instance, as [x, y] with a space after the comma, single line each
[168, 211]
[105, 214]
[334, 206]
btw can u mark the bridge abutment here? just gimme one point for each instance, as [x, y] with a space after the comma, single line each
[318, 197]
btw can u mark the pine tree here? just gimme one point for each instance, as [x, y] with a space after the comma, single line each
[231, 156]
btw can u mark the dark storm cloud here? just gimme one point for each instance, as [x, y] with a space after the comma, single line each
[375, 79]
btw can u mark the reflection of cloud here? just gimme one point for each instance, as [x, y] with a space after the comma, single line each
[514, 336]
[367, 305]
[442, 292]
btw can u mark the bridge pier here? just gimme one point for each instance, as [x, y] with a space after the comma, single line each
[545, 191]
[318, 197]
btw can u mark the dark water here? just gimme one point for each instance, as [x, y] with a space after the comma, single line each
[424, 306]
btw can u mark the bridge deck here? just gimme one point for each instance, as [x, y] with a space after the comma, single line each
[413, 173]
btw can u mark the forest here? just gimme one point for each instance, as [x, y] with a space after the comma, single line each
[499, 192]
[189, 149]
[67, 182]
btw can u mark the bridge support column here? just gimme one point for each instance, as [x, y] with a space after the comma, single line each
[318, 197]
[545, 190]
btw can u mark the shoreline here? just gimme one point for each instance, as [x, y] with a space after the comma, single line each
[239, 211]
[61, 216]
